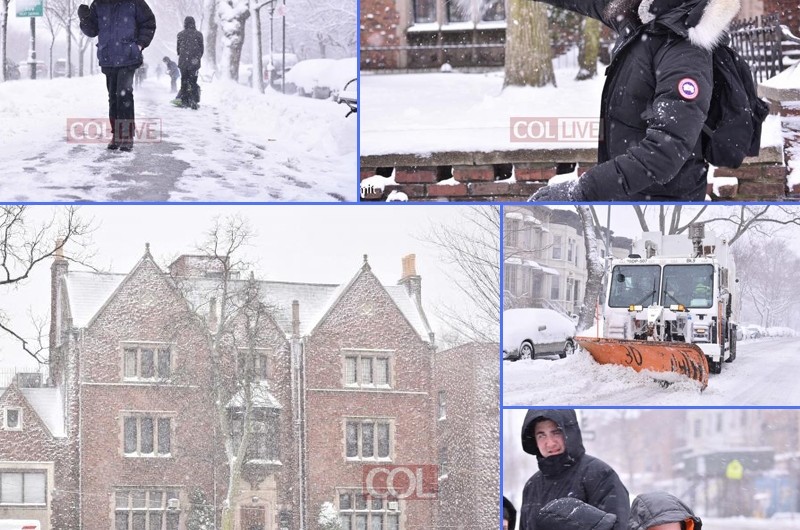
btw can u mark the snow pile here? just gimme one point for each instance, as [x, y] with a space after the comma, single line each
[326, 73]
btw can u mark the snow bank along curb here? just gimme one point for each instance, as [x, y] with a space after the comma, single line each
[515, 175]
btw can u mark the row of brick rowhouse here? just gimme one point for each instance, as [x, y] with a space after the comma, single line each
[128, 433]
[513, 176]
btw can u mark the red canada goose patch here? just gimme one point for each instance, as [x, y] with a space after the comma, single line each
[687, 88]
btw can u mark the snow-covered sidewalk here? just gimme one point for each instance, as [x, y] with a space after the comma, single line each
[239, 146]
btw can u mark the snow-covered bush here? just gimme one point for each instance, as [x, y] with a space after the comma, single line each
[328, 517]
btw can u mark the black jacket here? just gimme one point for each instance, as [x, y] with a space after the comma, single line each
[570, 474]
[121, 27]
[509, 514]
[656, 96]
[653, 509]
[571, 514]
[190, 46]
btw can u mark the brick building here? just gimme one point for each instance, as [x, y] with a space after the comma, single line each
[340, 377]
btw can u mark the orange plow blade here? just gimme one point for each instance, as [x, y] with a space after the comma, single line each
[676, 357]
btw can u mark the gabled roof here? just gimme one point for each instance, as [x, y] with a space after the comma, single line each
[88, 292]
[48, 403]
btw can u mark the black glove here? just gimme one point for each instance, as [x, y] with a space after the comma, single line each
[569, 191]
[83, 11]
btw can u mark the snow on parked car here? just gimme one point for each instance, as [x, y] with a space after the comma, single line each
[320, 78]
[533, 332]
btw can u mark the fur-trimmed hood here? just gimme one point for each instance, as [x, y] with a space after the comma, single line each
[703, 22]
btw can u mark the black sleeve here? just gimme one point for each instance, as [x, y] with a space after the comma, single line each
[604, 490]
[145, 24]
[589, 8]
[529, 508]
[673, 128]
[89, 25]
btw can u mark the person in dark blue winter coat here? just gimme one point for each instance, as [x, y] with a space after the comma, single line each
[190, 51]
[565, 470]
[124, 28]
[655, 100]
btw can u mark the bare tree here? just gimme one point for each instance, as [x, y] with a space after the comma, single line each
[473, 248]
[25, 244]
[210, 33]
[594, 267]
[53, 27]
[331, 24]
[3, 38]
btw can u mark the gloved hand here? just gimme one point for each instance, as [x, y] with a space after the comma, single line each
[569, 191]
[83, 11]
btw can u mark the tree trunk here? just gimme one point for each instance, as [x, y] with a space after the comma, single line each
[258, 66]
[595, 268]
[52, 43]
[529, 58]
[210, 33]
[233, 16]
[69, 48]
[3, 32]
[590, 48]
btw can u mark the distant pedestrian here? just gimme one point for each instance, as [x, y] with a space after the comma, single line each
[173, 72]
[190, 51]
[662, 511]
[127, 28]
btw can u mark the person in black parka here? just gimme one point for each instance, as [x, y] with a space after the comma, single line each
[655, 100]
[570, 513]
[124, 28]
[662, 510]
[190, 51]
[565, 470]
[509, 515]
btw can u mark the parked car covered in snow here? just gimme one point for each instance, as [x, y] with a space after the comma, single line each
[321, 78]
[534, 332]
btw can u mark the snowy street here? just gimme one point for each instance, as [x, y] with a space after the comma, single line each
[764, 373]
[239, 146]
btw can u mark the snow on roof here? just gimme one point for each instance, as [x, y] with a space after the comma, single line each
[514, 215]
[88, 291]
[532, 264]
[513, 261]
[49, 405]
[261, 397]
[312, 297]
[409, 309]
[548, 270]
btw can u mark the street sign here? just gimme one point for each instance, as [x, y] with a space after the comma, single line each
[735, 470]
[30, 8]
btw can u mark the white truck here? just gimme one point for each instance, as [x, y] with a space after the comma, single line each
[674, 288]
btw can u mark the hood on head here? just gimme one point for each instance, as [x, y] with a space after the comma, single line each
[566, 419]
[704, 22]
[188, 23]
[509, 513]
[658, 508]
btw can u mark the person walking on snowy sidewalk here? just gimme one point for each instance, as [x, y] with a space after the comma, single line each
[173, 72]
[662, 511]
[565, 470]
[124, 28]
[190, 51]
[655, 100]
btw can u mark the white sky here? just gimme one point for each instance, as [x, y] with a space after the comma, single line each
[295, 243]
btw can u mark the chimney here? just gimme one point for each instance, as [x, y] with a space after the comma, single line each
[410, 279]
[58, 270]
[295, 319]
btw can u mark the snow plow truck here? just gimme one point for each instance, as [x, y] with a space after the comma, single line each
[670, 307]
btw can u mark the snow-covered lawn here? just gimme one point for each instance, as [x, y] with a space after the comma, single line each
[239, 146]
[764, 373]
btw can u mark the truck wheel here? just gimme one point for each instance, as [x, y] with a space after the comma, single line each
[715, 368]
[733, 351]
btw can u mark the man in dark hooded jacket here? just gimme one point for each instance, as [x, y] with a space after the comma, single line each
[190, 51]
[570, 513]
[565, 470]
[655, 100]
[662, 511]
[124, 28]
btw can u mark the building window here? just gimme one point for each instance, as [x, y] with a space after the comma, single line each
[147, 362]
[494, 10]
[512, 232]
[252, 365]
[443, 466]
[11, 418]
[146, 509]
[264, 435]
[555, 291]
[569, 289]
[557, 247]
[368, 440]
[424, 11]
[442, 404]
[576, 295]
[23, 487]
[510, 279]
[367, 370]
[455, 13]
[570, 250]
[358, 511]
[147, 435]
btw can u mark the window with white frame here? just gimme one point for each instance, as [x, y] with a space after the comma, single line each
[512, 232]
[146, 509]
[510, 278]
[11, 418]
[358, 511]
[443, 467]
[23, 487]
[555, 288]
[253, 364]
[146, 362]
[557, 250]
[570, 249]
[364, 369]
[424, 11]
[147, 434]
[442, 404]
[368, 439]
[264, 432]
